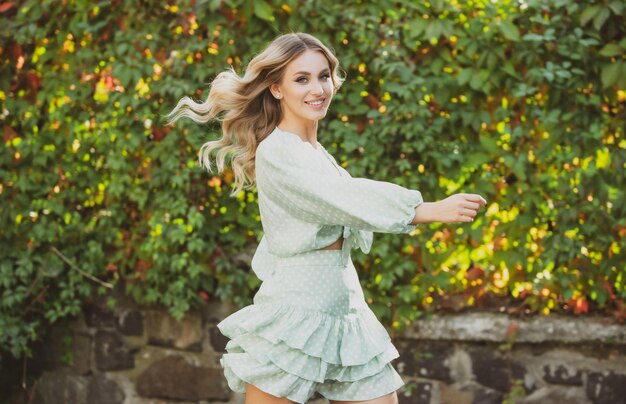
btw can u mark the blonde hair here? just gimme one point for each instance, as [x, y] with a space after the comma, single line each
[248, 112]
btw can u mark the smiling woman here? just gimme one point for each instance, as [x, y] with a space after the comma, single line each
[305, 92]
[310, 329]
[249, 111]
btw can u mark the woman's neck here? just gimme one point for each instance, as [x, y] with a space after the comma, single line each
[306, 131]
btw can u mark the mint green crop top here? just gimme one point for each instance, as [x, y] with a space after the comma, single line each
[307, 201]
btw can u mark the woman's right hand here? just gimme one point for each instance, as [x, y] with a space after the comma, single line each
[455, 208]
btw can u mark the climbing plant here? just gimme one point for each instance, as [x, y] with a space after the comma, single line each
[521, 102]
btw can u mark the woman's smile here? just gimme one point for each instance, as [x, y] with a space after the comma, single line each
[318, 104]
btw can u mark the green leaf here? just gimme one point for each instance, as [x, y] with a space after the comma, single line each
[588, 14]
[622, 80]
[600, 18]
[122, 48]
[434, 29]
[610, 73]
[510, 31]
[436, 66]
[489, 144]
[617, 6]
[263, 10]
[510, 69]
[465, 75]
[611, 49]
[531, 36]
[417, 27]
[477, 159]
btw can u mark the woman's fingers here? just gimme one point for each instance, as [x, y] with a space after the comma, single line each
[474, 198]
[468, 212]
[472, 205]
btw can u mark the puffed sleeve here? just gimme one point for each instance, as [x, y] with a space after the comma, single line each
[286, 177]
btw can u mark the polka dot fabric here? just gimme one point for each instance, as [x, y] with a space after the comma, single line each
[307, 201]
[309, 328]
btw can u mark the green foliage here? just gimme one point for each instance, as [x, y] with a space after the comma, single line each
[523, 105]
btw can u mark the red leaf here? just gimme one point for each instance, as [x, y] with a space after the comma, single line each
[579, 305]
[372, 101]
[159, 133]
[620, 312]
[15, 50]
[609, 288]
[203, 295]
[33, 81]
[9, 133]
[6, 6]
[474, 273]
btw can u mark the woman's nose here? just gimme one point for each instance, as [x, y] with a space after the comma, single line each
[317, 88]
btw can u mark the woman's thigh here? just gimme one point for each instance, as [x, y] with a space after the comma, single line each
[391, 398]
[254, 395]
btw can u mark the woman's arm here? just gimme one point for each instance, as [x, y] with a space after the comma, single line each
[455, 208]
[288, 182]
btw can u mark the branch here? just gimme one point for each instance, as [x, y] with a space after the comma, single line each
[80, 271]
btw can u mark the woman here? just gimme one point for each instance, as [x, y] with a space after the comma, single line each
[309, 328]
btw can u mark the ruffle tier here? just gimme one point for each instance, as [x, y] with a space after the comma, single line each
[290, 351]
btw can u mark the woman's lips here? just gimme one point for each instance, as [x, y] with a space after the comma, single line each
[317, 104]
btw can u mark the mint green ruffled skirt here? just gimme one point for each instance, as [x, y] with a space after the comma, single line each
[310, 330]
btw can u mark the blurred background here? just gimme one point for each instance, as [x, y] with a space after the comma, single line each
[108, 223]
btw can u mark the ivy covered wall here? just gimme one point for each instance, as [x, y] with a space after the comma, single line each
[521, 102]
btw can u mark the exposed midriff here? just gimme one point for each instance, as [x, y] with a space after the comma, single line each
[335, 246]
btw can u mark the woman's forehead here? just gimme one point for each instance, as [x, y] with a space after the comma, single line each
[311, 62]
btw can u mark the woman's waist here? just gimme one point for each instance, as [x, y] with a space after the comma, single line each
[334, 246]
[314, 284]
[314, 258]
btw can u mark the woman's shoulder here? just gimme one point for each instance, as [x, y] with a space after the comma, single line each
[277, 144]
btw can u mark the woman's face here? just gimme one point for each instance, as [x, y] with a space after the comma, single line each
[306, 87]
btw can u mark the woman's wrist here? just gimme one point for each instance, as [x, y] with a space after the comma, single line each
[425, 213]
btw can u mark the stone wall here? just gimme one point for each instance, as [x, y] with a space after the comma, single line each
[489, 358]
[142, 355]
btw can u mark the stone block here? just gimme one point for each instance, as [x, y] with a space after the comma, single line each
[131, 323]
[482, 395]
[101, 390]
[452, 394]
[497, 372]
[111, 353]
[606, 388]
[82, 353]
[416, 393]
[63, 347]
[482, 326]
[486, 396]
[557, 395]
[164, 330]
[460, 365]
[98, 315]
[217, 339]
[60, 387]
[426, 359]
[562, 375]
[174, 378]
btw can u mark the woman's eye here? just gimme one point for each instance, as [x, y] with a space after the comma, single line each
[299, 79]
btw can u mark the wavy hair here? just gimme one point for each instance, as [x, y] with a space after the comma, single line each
[247, 110]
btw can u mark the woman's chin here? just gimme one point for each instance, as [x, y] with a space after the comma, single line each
[317, 115]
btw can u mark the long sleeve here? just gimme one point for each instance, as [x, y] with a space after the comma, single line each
[287, 179]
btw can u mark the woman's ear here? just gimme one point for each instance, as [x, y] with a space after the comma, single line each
[275, 91]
